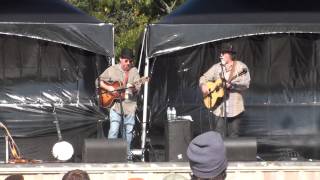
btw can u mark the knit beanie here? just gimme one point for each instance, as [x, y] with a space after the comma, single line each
[207, 155]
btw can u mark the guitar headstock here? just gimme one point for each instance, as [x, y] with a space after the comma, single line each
[243, 71]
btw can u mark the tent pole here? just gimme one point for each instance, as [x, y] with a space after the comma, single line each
[113, 61]
[142, 45]
[145, 103]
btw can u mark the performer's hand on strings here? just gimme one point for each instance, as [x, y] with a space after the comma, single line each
[110, 88]
[105, 86]
[204, 89]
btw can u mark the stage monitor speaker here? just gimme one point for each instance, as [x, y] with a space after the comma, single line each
[178, 136]
[241, 148]
[104, 150]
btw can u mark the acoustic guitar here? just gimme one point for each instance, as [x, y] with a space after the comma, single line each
[216, 91]
[107, 98]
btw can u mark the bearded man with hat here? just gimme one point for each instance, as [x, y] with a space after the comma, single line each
[235, 79]
[122, 114]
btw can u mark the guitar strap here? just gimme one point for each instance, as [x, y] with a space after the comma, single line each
[232, 71]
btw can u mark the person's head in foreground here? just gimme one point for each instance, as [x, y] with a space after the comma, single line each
[15, 177]
[207, 157]
[76, 174]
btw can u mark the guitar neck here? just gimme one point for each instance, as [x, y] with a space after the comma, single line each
[232, 78]
[140, 81]
[237, 75]
[119, 86]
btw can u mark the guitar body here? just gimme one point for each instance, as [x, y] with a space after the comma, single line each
[108, 98]
[215, 97]
[216, 91]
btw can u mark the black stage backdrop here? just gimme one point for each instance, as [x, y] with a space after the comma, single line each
[42, 81]
[50, 55]
[282, 103]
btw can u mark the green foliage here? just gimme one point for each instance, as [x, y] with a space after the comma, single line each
[128, 16]
[81, 4]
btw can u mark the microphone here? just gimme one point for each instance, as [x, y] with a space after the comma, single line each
[222, 61]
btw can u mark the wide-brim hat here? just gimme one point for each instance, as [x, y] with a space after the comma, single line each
[228, 48]
[127, 53]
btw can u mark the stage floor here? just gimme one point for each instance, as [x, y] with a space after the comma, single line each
[157, 171]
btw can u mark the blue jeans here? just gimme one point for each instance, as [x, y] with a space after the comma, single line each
[127, 128]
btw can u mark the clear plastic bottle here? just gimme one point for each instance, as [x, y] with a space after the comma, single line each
[174, 113]
[169, 113]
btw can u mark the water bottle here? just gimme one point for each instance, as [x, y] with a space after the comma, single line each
[169, 113]
[174, 113]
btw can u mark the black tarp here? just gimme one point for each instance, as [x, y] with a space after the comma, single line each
[278, 40]
[50, 55]
[56, 21]
[218, 19]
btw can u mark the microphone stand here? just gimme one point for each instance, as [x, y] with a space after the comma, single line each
[210, 113]
[224, 105]
[122, 114]
[120, 91]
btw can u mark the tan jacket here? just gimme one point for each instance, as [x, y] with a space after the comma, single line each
[235, 103]
[115, 73]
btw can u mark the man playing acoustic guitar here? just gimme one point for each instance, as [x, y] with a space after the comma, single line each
[222, 85]
[118, 80]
